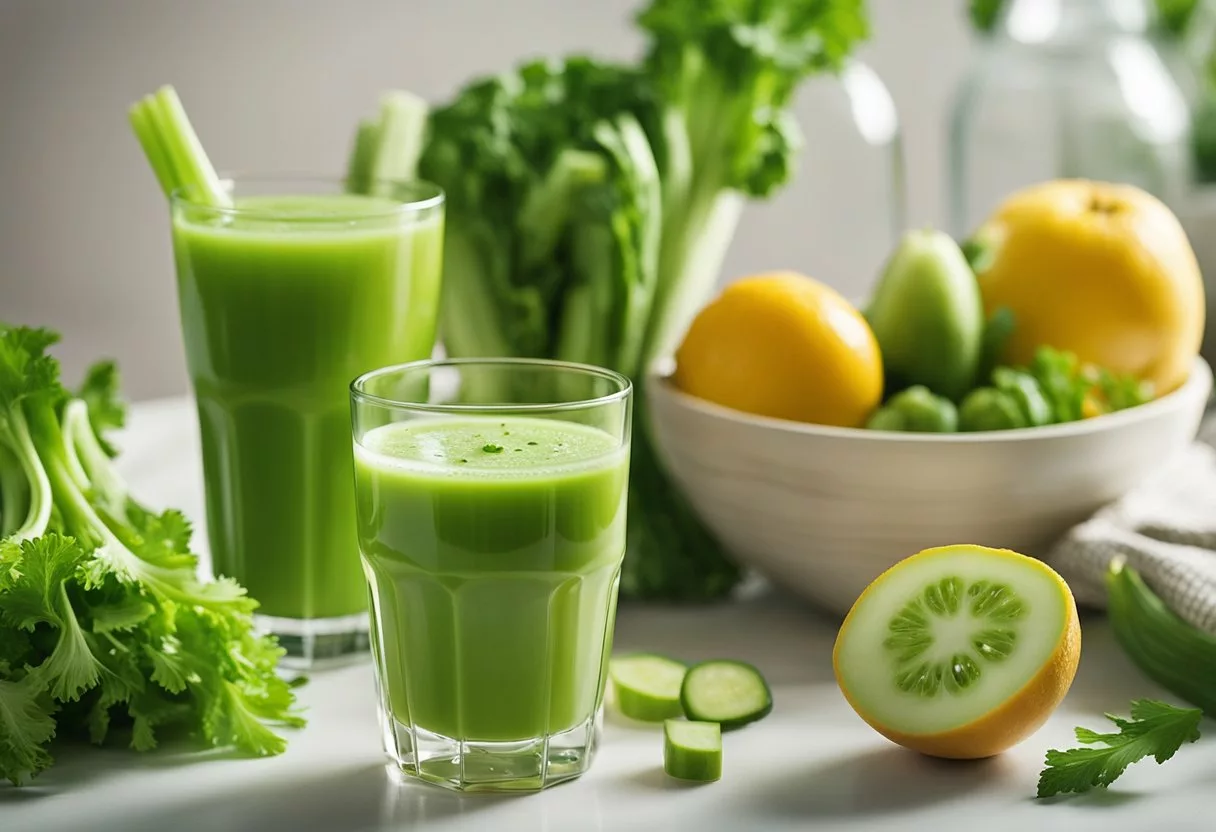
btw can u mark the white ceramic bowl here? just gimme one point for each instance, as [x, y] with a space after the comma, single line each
[825, 510]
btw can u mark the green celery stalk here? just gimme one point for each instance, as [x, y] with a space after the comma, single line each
[15, 431]
[359, 168]
[695, 243]
[173, 149]
[14, 493]
[628, 144]
[587, 310]
[148, 135]
[386, 149]
[469, 308]
[401, 133]
[546, 212]
[185, 149]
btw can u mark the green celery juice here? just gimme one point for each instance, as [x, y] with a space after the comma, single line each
[284, 300]
[493, 549]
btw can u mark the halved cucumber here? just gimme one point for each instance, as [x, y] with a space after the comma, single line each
[727, 692]
[647, 686]
[959, 651]
[692, 750]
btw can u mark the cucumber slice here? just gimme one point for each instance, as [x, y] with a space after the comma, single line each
[727, 692]
[647, 686]
[692, 750]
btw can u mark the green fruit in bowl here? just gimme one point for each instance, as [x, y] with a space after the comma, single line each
[917, 410]
[987, 408]
[927, 316]
[1015, 400]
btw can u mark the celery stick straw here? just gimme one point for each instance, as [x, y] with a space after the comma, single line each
[173, 149]
[359, 168]
[145, 131]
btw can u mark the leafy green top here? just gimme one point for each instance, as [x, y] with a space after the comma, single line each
[1156, 730]
[1173, 16]
[102, 614]
[733, 65]
[551, 184]
[25, 369]
[99, 391]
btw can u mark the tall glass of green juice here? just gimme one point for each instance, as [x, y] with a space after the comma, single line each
[491, 500]
[285, 297]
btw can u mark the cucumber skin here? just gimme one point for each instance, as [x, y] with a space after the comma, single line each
[703, 768]
[730, 724]
[1168, 650]
[643, 707]
[646, 708]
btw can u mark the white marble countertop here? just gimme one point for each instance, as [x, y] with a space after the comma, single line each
[811, 764]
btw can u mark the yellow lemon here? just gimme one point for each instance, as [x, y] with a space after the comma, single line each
[959, 651]
[1105, 271]
[786, 346]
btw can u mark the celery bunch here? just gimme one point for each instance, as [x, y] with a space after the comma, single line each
[590, 205]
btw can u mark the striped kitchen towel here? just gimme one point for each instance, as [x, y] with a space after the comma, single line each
[1166, 528]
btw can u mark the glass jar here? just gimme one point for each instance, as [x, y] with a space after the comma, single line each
[1067, 89]
[841, 214]
[1191, 55]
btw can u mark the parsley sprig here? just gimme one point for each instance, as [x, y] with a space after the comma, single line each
[104, 623]
[1156, 730]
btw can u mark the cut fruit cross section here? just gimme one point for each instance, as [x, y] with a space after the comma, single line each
[959, 651]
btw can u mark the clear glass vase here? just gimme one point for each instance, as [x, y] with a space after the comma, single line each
[842, 213]
[1191, 56]
[1067, 89]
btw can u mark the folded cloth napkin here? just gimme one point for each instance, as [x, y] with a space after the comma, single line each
[1166, 528]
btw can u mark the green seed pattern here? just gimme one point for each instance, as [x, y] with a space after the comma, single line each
[996, 601]
[910, 635]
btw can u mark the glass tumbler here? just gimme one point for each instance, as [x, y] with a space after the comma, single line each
[286, 296]
[491, 499]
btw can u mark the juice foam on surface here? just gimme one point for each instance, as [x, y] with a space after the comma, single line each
[488, 446]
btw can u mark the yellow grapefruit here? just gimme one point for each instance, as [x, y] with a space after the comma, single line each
[1099, 269]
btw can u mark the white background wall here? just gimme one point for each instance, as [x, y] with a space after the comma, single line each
[277, 85]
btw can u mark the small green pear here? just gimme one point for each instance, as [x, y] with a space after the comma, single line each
[928, 316]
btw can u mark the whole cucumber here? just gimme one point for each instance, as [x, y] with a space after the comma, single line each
[1175, 655]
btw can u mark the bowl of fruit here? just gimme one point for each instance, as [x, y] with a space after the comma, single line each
[996, 392]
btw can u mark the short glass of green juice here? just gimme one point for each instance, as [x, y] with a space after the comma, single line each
[491, 498]
[285, 296]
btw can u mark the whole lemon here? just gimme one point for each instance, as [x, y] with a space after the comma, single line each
[786, 346]
[1105, 271]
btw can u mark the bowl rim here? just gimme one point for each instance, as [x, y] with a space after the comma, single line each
[1198, 385]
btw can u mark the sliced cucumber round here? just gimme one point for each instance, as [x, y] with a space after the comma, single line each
[692, 750]
[949, 636]
[727, 692]
[647, 686]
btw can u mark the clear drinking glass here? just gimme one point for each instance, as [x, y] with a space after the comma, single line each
[285, 297]
[491, 500]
